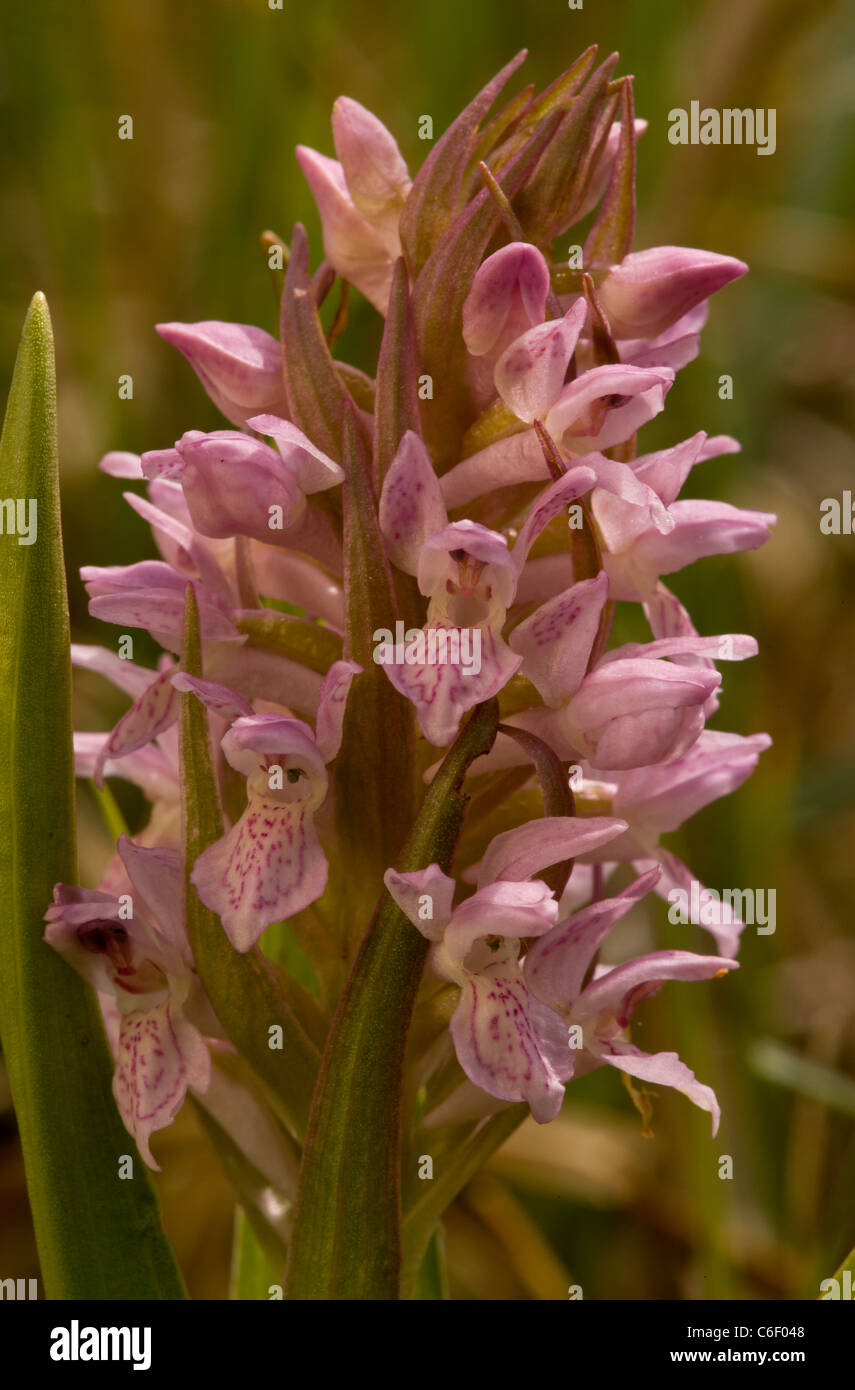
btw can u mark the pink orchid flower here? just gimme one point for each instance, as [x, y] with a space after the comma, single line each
[633, 707]
[236, 485]
[359, 196]
[133, 947]
[657, 800]
[477, 946]
[469, 576]
[240, 366]
[270, 865]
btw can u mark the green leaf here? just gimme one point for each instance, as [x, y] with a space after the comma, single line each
[252, 1274]
[453, 1169]
[347, 1239]
[543, 207]
[246, 994]
[375, 769]
[98, 1237]
[316, 395]
[610, 237]
[397, 402]
[440, 293]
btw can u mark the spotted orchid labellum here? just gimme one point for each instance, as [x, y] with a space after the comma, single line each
[380, 878]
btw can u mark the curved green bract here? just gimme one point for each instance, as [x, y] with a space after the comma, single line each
[99, 1236]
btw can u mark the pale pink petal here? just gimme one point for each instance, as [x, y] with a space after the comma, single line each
[512, 909]
[124, 674]
[239, 365]
[331, 705]
[530, 373]
[120, 464]
[160, 1056]
[509, 291]
[313, 470]
[214, 696]
[267, 868]
[154, 711]
[411, 505]
[443, 691]
[411, 890]
[497, 1043]
[157, 876]
[663, 1069]
[548, 505]
[517, 854]
[556, 641]
[556, 965]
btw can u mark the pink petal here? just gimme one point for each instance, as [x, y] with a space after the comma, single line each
[151, 714]
[664, 1069]
[267, 868]
[508, 909]
[160, 1055]
[517, 854]
[621, 989]
[497, 1042]
[377, 177]
[556, 965]
[331, 705]
[124, 674]
[120, 464]
[508, 292]
[409, 891]
[651, 289]
[443, 691]
[548, 505]
[556, 641]
[312, 469]
[157, 876]
[240, 366]
[530, 373]
[586, 415]
[411, 505]
[214, 696]
[355, 249]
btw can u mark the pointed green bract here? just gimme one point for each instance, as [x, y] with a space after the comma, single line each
[610, 237]
[99, 1237]
[375, 767]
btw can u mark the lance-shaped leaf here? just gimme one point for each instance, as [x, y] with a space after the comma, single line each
[441, 291]
[374, 770]
[555, 789]
[317, 397]
[347, 1232]
[544, 205]
[396, 407]
[435, 195]
[610, 237]
[98, 1238]
[247, 996]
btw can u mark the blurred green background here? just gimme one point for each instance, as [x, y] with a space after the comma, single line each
[123, 234]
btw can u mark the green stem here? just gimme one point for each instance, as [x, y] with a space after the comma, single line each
[347, 1232]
